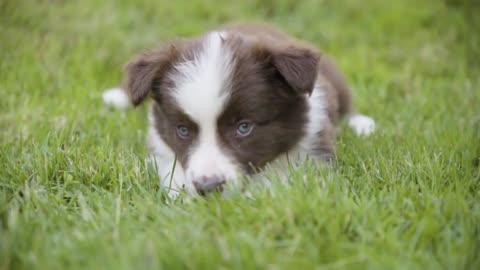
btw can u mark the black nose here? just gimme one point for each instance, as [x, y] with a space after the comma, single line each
[208, 184]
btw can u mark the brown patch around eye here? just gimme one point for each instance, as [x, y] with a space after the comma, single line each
[167, 120]
[278, 119]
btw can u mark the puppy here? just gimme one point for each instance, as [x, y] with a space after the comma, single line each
[236, 101]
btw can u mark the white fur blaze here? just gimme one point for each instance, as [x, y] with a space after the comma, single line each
[361, 124]
[208, 160]
[202, 92]
[116, 97]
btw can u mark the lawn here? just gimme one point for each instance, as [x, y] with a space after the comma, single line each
[75, 192]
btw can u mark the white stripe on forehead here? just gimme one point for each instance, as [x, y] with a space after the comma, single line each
[202, 91]
[203, 84]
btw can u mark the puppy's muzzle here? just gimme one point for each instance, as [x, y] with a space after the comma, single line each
[206, 185]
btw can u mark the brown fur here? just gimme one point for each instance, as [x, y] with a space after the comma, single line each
[262, 88]
[339, 93]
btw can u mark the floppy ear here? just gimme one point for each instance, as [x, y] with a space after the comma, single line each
[298, 67]
[143, 71]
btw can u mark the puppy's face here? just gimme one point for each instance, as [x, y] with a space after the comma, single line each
[225, 105]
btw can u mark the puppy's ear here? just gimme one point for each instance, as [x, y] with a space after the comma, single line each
[145, 70]
[298, 67]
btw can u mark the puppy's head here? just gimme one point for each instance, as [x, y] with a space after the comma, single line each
[224, 104]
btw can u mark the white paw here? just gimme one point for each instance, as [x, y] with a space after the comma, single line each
[116, 97]
[361, 124]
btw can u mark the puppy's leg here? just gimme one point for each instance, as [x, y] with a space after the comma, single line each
[325, 148]
[361, 124]
[116, 97]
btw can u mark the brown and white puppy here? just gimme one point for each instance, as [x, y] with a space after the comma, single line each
[234, 101]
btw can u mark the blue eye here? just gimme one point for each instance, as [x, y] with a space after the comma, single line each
[183, 132]
[244, 128]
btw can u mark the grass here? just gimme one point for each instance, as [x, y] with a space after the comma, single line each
[75, 192]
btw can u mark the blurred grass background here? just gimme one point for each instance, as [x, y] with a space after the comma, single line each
[75, 193]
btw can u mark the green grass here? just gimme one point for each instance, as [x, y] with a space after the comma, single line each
[75, 192]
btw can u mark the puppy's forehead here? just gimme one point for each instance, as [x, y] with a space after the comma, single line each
[203, 80]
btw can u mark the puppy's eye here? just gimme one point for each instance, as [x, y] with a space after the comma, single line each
[244, 128]
[183, 132]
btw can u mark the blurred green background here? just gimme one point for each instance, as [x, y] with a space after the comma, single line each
[75, 192]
